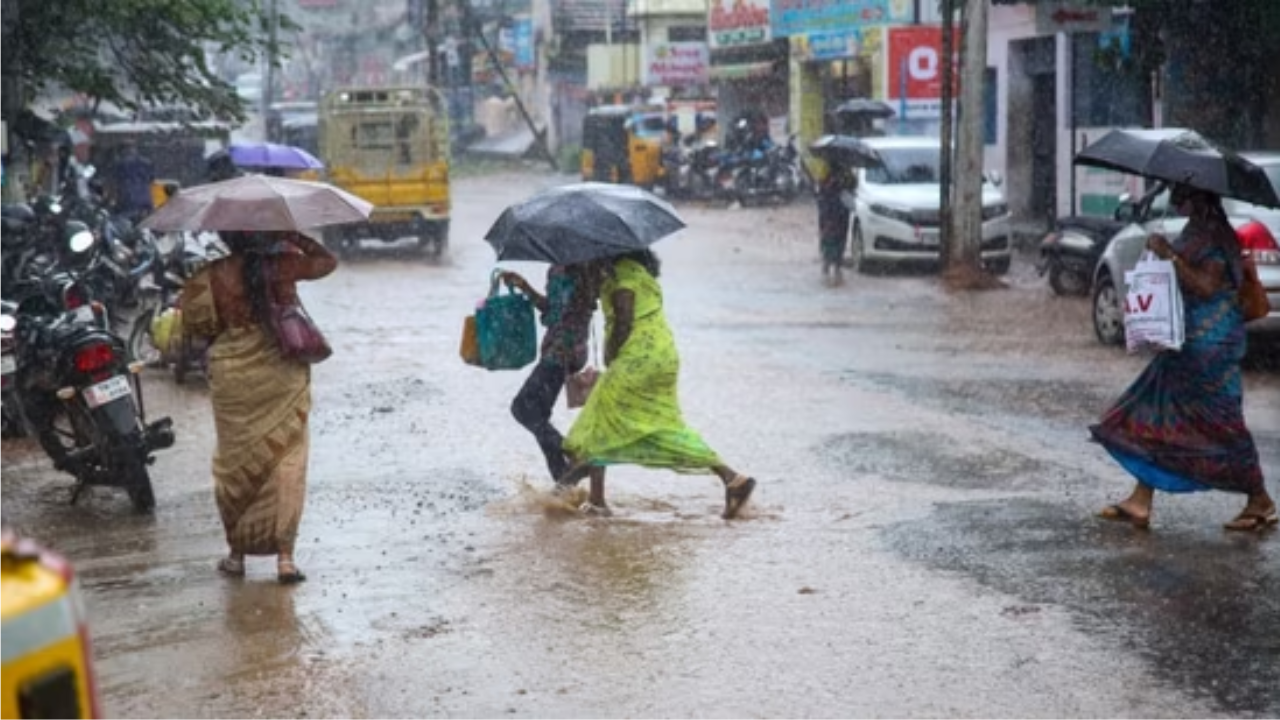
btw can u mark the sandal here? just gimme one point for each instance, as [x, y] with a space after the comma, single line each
[1118, 513]
[231, 567]
[736, 494]
[593, 510]
[288, 574]
[1251, 521]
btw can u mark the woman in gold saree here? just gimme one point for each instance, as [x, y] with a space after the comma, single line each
[261, 400]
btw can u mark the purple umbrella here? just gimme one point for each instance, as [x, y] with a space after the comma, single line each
[265, 154]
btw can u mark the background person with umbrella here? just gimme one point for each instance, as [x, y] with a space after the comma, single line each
[261, 399]
[839, 154]
[1180, 426]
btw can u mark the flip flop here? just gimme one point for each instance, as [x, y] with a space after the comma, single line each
[1251, 522]
[231, 568]
[736, 494]
[291, 576]
[1117, 513]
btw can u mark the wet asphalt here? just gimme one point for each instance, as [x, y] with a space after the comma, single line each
[922, 542]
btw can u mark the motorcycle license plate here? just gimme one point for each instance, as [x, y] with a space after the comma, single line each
[107, 390]
[8, 364]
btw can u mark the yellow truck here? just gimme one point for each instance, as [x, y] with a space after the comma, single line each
[48, 665]
[389, 146]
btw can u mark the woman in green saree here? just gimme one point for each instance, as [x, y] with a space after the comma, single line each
[632, 416]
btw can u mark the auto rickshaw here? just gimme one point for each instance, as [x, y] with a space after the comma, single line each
[623, 144]
[48, 664]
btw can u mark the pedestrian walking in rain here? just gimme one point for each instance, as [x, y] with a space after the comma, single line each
[833, 221]
[633, 414]
[261, 400]
[566, 312]
[133, 176]
[1180, 426]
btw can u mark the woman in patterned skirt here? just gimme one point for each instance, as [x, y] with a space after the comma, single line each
[1180, 426]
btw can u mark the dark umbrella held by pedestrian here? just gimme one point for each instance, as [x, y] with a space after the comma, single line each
[1181, 156]
[866, 107]
[845, 150]
[582, 222]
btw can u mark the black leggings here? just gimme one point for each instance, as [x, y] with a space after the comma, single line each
[532, 408]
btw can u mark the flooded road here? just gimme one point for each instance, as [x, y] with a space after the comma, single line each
[922, 542]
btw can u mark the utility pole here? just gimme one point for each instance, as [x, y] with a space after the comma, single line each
[269, 77]
[948, 106]
[966, 242]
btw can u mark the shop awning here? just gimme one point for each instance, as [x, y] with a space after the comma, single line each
[742, 71]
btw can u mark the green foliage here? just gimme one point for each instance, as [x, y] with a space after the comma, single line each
[135, 53]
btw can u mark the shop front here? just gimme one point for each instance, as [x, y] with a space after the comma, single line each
[748, 68]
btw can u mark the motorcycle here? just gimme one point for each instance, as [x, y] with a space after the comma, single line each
[181, 255]
[74, 388]
[1070, 252]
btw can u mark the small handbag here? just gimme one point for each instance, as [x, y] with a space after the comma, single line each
[506, 330]
[578, 386]
[1253, 296]
[295, 332]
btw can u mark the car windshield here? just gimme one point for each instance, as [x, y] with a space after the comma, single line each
[907, 165]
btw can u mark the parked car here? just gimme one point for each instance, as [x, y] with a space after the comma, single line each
[1151, 214]
[896, 208]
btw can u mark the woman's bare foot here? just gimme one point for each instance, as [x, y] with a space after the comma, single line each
[232, 566]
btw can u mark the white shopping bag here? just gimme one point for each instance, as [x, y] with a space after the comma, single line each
[1153, 313]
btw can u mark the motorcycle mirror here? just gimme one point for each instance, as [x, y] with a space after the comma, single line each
[8, 323]
[81, 241]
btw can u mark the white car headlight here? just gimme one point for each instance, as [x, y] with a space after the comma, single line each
[892, 213]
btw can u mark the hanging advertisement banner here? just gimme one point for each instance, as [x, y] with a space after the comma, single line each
[522, 40]
[734, 23]
[914, 61]
[829, 45]
[798, 17]
[678, 63]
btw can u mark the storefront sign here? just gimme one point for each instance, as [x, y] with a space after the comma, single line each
[798, 17]
[680, 63]
[915, 67]
[733, 23]
[522, 40]
[831, 45]
[1071, 17]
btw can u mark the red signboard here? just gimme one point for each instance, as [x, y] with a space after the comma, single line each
[915, 62]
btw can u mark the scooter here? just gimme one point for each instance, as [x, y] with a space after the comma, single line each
[1069, 253]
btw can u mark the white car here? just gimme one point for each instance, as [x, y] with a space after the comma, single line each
[896, 208]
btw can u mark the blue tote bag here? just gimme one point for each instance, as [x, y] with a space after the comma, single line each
[506, 329]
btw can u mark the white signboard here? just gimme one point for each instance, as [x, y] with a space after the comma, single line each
[734, 23]
[1071, 17]
[678, 63]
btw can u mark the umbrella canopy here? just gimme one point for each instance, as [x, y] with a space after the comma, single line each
[845, 149]
[866, 107]
[580, 222]
[1181, 156]
[265, 154]
[258, 202]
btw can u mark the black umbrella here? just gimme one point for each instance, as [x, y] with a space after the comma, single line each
[866, 107]
[581, 222]
[1181, 156]
[846, 150]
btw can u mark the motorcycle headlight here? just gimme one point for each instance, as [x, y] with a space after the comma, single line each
[892, 213]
